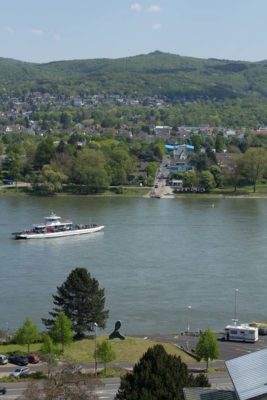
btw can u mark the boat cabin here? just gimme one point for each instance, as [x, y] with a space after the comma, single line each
[241, 333]
[53, 219]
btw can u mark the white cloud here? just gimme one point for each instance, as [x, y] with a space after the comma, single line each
[9, 30]
[36, 31]
[156, 26]
[154, 8]
[137, 7]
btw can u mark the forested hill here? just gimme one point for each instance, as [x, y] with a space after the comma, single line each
[157, 73]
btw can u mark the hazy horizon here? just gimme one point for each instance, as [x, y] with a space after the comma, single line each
[47, 31]
[132, 56]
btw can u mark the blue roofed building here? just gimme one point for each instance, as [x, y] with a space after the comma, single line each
[186, 147]
[181, 162]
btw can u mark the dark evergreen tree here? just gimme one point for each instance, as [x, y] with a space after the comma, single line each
[44, 153]
[65, 120]
[200, 161]
[196, 142]
[82, 301]
[158, 376]
[61, 147]
[219, 143]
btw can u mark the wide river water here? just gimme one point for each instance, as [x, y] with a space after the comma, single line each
[165, 264]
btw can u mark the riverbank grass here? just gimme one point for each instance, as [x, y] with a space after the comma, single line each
[129, 350]
[120, 191]
[246, 192]
[127, 191]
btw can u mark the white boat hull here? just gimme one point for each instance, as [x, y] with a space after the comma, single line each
[50, 235]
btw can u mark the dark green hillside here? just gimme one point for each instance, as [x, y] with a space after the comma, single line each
[157, 73]
[15, 71]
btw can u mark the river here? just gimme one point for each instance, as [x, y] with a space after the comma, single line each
[164, 264]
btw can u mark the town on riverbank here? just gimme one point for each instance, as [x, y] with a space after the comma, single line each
[198, 165]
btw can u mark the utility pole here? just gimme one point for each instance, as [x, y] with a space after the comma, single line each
[95, 325]
[235, 314]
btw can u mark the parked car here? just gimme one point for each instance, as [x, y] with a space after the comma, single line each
[19, 372]
[33, 359]
[18, 360]
[262, 331]
[3, 359]
[2, 390]
[8, 181]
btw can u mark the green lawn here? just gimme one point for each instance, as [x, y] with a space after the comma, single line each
[128, 350]
[261, 189]
[244, 191]
[127, 191]
[16, 348]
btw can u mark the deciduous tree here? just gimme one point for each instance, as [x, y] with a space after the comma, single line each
[62, 330]
[49, 352]
[206, 180]
[207, 347]
[254, 164]
[105, 352]
[233, 173]
[48, 181]
[190, 179]
[89, 171]
[63, 384]
[217, 174]
[27, 334]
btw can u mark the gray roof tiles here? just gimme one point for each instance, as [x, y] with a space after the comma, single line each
[209, 394]
[249, 374]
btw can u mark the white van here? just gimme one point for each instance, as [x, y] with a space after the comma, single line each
[3, 359]
[241, 333]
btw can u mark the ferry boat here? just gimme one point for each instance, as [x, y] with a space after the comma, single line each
[54, 226]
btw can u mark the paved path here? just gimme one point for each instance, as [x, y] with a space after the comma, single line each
[228, 350]
[161, 190]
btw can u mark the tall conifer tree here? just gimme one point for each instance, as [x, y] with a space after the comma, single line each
[82, 301]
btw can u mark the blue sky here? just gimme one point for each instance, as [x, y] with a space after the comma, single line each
[49, 30]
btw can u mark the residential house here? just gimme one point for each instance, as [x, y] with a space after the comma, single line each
[226, 160]
[163, 131]
[181, 161]
[180, 166]
[177, 183]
